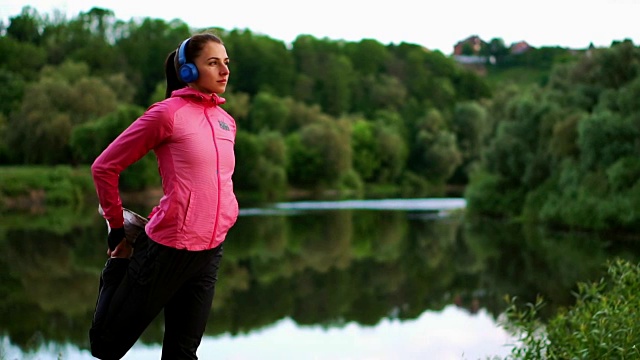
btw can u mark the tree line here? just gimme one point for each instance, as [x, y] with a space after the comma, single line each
[316, 114]
[549, 135]
[566, 153]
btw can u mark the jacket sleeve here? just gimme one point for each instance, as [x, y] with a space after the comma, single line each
[144, 134]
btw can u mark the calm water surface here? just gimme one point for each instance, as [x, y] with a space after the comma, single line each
[378, 279]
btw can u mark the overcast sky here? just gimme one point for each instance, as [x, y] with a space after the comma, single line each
[436, 25]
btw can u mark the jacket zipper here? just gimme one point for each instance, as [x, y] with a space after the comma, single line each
[215, 145]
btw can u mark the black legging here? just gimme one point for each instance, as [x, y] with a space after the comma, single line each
[133, 292]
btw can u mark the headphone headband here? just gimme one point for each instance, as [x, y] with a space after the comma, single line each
[182, 57]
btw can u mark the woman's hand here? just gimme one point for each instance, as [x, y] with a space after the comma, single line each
[123, 250]
[116, 246]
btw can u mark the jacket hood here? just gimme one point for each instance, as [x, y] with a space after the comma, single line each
[188, 92]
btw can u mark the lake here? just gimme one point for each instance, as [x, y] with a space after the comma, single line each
[368, 279]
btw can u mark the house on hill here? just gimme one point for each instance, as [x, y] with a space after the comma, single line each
[475, 54]
[467, 53]
[469, 46]
[519, 47]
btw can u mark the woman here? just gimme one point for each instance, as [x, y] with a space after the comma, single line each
[173, 265]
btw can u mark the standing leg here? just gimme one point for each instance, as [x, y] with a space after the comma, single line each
[187, 312]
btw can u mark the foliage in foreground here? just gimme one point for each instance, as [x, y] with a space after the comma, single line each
[602, 324]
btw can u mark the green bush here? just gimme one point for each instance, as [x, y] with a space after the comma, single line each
[602, 324]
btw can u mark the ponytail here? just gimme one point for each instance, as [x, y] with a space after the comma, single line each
[173, 83]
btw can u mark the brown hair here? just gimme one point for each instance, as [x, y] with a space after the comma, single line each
[191, 51]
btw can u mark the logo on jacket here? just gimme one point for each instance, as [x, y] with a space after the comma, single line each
[223, 125]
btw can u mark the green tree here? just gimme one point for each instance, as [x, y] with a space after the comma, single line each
[377, 92]
[564, 139]
[335, 86]
[469, 123]
[365, 149]
[89, 139]
[267, 113]
[273, 169]
[392, 150]
[261, 164]
[507, 155]
[470, 86]
[144, 50]
[434, 152]
[91, 40]
[440, 156]
[369, 57]
[26, 27]
[310, 57]
[618, 65]
[12, 91]
[259, 63]
[21, 58]
[318, 155]
[237, 104]
[4, 149]
[497, 49]
[301, 114]
[416, 75]
[606, 137]
[247, 152]
[561, 153]
[64, 97]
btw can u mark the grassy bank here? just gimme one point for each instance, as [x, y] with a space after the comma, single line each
[36, 187]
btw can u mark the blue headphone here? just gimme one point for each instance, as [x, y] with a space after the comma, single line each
[187, 72]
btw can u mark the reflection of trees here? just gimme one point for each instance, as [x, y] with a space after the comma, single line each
[323, 240]
[324, 268]
[50, 266]
[345, 268]
[45, 289]
[529, 261]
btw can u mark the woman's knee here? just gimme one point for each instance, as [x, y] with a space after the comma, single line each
[105, 348]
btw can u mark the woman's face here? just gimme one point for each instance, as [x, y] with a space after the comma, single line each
[213, 69]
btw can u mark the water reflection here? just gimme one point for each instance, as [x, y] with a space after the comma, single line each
[357, 272]
[451, 334]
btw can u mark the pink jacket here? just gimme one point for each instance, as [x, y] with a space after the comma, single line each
[193, 140]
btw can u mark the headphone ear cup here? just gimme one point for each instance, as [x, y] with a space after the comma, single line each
[188, 73]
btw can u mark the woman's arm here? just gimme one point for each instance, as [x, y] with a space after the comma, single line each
[145, 133]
